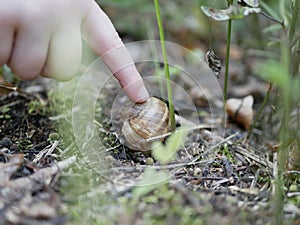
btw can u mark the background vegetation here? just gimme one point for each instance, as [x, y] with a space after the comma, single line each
[275, 47]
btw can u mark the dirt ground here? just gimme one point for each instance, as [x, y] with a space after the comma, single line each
[218, 176]
[214, 177]
[29, 192]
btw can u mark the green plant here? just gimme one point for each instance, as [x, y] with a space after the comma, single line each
[229, 155]
[294, 39]
[166, 64]
[4, 113]
[282, 73]
[24, 144]
[227, 53]
[37, 107]
[261, 108]
[165, 154]
[233, 12]
[278, 73]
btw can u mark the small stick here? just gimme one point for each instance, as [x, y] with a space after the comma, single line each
[253, 157]
[159, 137]
[8, 88]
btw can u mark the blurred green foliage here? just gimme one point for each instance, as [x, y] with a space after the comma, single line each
[137, 18]
[184, 23]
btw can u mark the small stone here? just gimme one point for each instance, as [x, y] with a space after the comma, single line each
[6, 142]
[109, 160]
[14, 147]
[197, 172]
[149, 161]
[54, 136]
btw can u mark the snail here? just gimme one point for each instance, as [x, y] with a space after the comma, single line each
[143, 121]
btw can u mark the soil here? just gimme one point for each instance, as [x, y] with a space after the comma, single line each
[214, 178]
[28, 188]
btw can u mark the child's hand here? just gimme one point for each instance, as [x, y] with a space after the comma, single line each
[43, 37]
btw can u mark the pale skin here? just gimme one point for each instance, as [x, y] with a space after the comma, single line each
[44, 37]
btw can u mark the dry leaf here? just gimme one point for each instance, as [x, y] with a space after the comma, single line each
[240, 110]
[6, 87]
[273, 146]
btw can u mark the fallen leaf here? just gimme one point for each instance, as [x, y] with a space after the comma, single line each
[240, 110]
[6, 87]
[273, 146]
[233, 12]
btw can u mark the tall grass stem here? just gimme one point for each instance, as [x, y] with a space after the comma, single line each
[229, 2]
[294, 52]
[166, 64]
[262, 107]
[227, 59]
[284, 132]
[156, 59]
[227, 68]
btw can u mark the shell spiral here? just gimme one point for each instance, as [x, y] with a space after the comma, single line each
[144, 121]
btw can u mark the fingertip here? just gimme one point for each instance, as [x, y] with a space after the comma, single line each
[136, 91]
[142, 95]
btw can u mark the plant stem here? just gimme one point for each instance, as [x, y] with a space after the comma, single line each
[227, 59]
[166, 64]
[263, 105]
[284, 136]
[294, 52]
[284, 133]
[156, 60]
[226, 69]
[229, 2]
[272, 19]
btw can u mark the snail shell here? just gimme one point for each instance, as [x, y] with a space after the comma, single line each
[142, 121]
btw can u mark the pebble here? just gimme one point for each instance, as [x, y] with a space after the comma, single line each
[197, 172]
[6, 142]
[54, 136]
[109, 160]
[149, 161]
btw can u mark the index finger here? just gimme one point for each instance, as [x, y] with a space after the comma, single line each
[102, 37]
